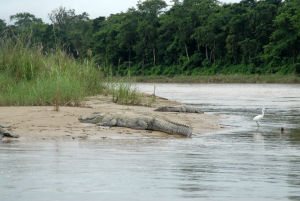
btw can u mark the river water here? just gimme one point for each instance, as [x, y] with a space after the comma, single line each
[244, 163]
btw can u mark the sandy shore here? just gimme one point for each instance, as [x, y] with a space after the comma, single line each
[43, 123]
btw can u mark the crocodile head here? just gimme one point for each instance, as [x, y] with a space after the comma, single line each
[93, 118]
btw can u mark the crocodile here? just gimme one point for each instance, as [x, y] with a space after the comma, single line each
[139, 122]
[6, 133]
[183, 108]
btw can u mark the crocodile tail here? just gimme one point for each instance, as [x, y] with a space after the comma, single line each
[172, 127]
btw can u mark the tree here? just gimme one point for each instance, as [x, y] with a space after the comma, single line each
[26, 24]
[151, 7]
[2, 25]
[284, 46]
[149, 12]
[73, 32]
[25, 20]
[106, 42]
[210, 29]
[128, 36]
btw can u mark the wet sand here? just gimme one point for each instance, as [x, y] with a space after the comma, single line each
[43, 123]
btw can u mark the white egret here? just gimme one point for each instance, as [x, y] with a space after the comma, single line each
[259, 117]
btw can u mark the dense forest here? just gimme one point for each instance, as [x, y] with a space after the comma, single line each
[189, 37]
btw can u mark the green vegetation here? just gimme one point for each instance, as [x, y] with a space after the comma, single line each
[221, 78]
[124, 93]
[28, 77]
[189, 38]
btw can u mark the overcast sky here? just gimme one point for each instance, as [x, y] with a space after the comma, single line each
[41, 8]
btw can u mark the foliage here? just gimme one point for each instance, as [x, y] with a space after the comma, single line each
[221, 78]
[190, 37]
[30, 78]
[25, 20]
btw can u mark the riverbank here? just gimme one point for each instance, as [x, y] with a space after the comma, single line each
[36, 123]
[221, 78]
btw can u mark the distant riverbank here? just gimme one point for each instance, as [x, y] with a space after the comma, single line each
[221, 78]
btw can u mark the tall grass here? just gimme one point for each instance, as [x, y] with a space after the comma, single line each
[123, 92]
[20, 61]
[29, 77]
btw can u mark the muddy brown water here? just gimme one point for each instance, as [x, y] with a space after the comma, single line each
[243, 163]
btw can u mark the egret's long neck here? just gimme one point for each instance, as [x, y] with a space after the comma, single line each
[263, 113]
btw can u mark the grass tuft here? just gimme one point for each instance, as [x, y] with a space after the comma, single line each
[124, 93]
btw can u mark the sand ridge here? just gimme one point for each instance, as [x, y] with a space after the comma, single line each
[43, 123]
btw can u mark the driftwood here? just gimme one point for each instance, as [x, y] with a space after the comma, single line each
[137, 122]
